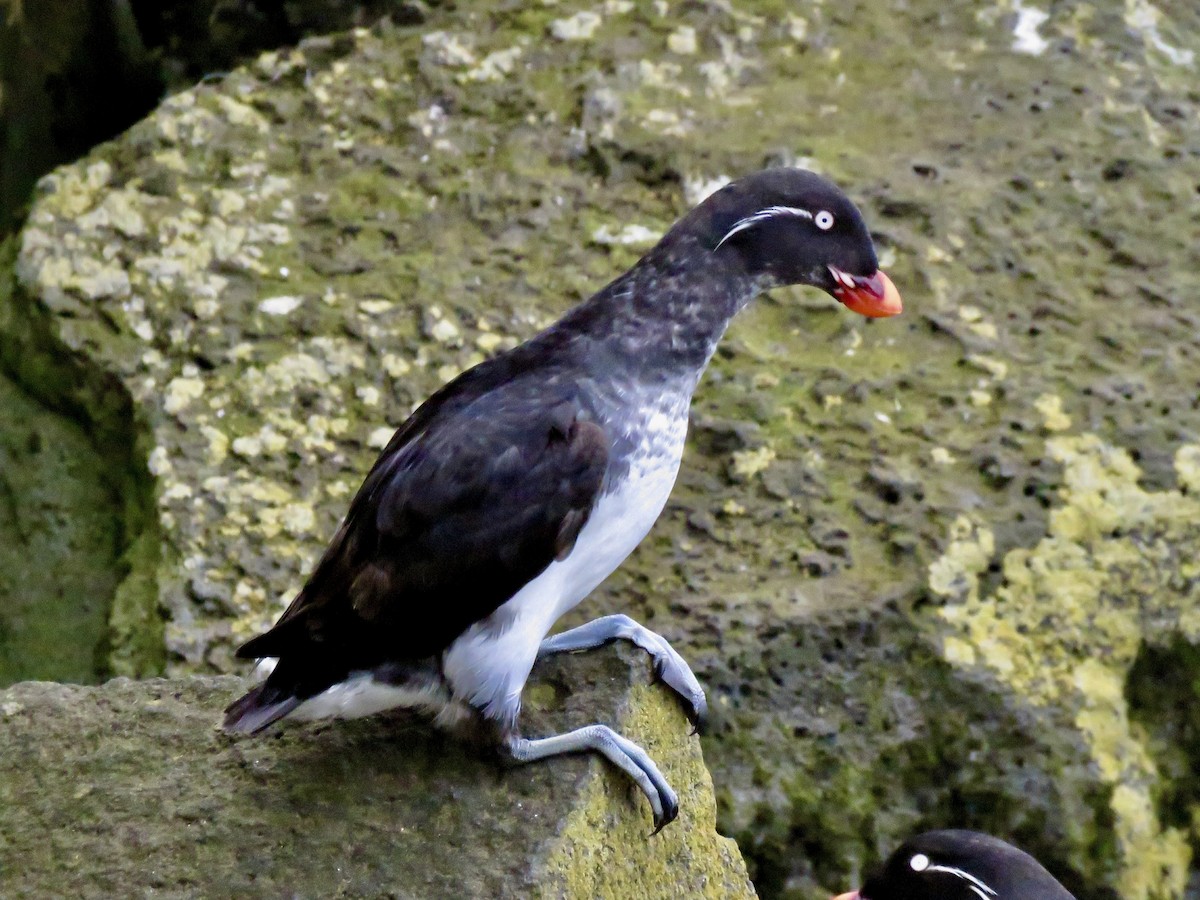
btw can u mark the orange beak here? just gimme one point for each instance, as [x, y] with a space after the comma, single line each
[874, 296]
[853, 895]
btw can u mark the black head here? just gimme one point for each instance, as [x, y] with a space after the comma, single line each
[791, 226]
[960, 865]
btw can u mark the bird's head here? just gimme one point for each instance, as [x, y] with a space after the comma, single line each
[959, 865]
[790, 226]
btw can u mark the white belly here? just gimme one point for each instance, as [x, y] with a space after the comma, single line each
[616, 526]
[361, 695]
[489, 663]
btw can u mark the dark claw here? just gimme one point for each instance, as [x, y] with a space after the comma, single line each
[670, 813]
[697, 713]
[695, 710]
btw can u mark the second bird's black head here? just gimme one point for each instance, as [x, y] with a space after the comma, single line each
[960, 865]
[791, 226]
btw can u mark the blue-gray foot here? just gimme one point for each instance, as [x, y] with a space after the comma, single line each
[668, 664]
[621, 752]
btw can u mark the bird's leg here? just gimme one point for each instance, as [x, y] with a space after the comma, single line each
[668, 665]
[621, 752]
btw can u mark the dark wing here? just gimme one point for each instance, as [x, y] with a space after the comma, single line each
[466, 505]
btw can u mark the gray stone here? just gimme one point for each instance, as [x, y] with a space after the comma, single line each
[130, 789]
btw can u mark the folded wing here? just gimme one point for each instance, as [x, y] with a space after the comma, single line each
[470, 501]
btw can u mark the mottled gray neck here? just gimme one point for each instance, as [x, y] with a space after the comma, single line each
[663, 318]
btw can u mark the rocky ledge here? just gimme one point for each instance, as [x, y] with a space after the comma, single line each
[130, 789]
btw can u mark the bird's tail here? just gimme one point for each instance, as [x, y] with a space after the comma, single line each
[258, 708]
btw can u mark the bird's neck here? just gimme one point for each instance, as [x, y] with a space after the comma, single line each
[665, 316]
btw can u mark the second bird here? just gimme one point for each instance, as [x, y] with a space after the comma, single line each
[513, 491]
[953, 864]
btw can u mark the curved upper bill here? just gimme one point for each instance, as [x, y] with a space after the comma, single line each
[873, 296]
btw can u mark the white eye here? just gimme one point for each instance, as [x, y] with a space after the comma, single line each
[919, 863]
[824, 220]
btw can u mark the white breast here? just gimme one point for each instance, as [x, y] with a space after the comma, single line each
[489, 663]
[616, 526]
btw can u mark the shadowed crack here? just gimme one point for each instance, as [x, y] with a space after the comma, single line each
[78, 599]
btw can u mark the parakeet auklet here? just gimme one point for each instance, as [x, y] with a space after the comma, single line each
[518, 487]
[960, 865]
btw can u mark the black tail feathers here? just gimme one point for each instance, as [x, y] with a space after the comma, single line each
[258, 708]
[270, 643]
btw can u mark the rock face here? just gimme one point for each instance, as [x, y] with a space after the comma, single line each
[129, 789]
[59, 506]
[76, 72]
[934, 571]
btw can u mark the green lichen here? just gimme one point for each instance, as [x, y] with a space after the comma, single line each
[78, 603]
[135, 625]
[1066, 625]
[602, 850]
[54, 506]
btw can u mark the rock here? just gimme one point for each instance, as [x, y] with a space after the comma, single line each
[54, 619]
[129, 789]
[77, 72]
[929, 474]
[71, 73]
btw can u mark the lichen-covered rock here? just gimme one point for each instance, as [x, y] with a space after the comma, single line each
[908, 558]
[129, 789]
[76, 72]
[53, 618]
[1115, 575]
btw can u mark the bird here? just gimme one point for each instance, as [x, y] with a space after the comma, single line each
[519, 486]
[954, 864]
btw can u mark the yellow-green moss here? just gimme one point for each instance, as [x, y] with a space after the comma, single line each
[604, 851]
[1064, 627]
[135, 620]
